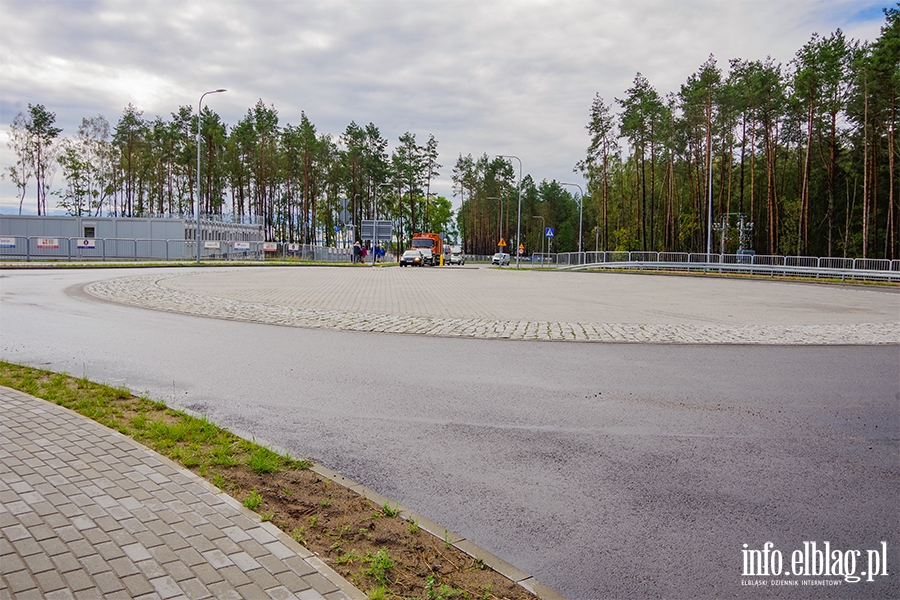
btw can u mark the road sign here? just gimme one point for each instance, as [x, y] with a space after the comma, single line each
[344, 216]
[376, 231]
[548, 232]
[521, 249]
[502, 242]
[344, 203]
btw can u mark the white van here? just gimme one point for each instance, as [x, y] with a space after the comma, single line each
[456, 256]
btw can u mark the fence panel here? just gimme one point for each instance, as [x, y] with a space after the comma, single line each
[14, 247]
[827, 262]
[674, 257]
[873, 264]
[801, 261]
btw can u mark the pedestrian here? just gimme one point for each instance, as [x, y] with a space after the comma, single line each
[356, 252]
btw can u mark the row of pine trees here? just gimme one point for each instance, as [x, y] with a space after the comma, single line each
[805, 151]
[302, 185]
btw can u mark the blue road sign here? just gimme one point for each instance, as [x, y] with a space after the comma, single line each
[549, 232]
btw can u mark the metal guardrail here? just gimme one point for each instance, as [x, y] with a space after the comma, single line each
[801, 266]
[131, 249]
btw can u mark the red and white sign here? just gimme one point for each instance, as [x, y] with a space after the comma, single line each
[270, 247]
[48, 243]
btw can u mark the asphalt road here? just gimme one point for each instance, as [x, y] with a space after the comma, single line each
[605, 470]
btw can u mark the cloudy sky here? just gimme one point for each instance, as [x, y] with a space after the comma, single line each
[497, 77]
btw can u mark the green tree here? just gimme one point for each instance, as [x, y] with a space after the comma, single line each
[87, 164]
[595, 167]
[20, 143]
[642, 117]
[43, 145]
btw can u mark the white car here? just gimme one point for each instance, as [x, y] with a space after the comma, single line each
[501, 258]
[456, 256]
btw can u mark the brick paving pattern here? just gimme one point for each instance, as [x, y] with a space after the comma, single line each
[484, 303]
[86, 512]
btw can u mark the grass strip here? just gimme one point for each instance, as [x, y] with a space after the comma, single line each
[370, 545]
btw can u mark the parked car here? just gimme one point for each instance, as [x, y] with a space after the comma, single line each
[501, 258]
[428, 257]
[413, 258]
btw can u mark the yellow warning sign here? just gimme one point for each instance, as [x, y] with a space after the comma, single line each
[502, 242]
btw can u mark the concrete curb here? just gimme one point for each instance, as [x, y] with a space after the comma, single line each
[493, 561]
[442, 533]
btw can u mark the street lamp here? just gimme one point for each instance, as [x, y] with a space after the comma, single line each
[709, 211]
[519, 213]
[580, 215]
[199, 200]
[543, 235]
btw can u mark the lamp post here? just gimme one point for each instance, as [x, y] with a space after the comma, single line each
[709, 219]
[519, 213]
[199, 200]
[543, 235]
[580, 215]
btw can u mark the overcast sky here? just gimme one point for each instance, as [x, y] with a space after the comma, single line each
[497, 77]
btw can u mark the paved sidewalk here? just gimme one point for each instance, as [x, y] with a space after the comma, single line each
[86, 512]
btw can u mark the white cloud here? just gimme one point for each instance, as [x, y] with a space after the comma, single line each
[514, 76]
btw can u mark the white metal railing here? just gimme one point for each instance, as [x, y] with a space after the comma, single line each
[804, 266]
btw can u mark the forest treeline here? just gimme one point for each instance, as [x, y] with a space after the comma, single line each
[805, 151]
[302, 185]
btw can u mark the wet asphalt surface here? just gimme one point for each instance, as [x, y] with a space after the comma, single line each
[605, 470]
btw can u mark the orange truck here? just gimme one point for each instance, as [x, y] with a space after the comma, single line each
[430, 244]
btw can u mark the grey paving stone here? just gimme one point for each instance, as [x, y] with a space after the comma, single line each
[78, 580]
[49, 581]
[108, 583]
[207, 574]
[81, 536]
[20, 582]
[66, 562]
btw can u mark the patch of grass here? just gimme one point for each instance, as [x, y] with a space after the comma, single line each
[253, 500]
[264, 460]
[388, 511]
[379, 565]
[379, 593]
[297, 534]
[441, 591]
